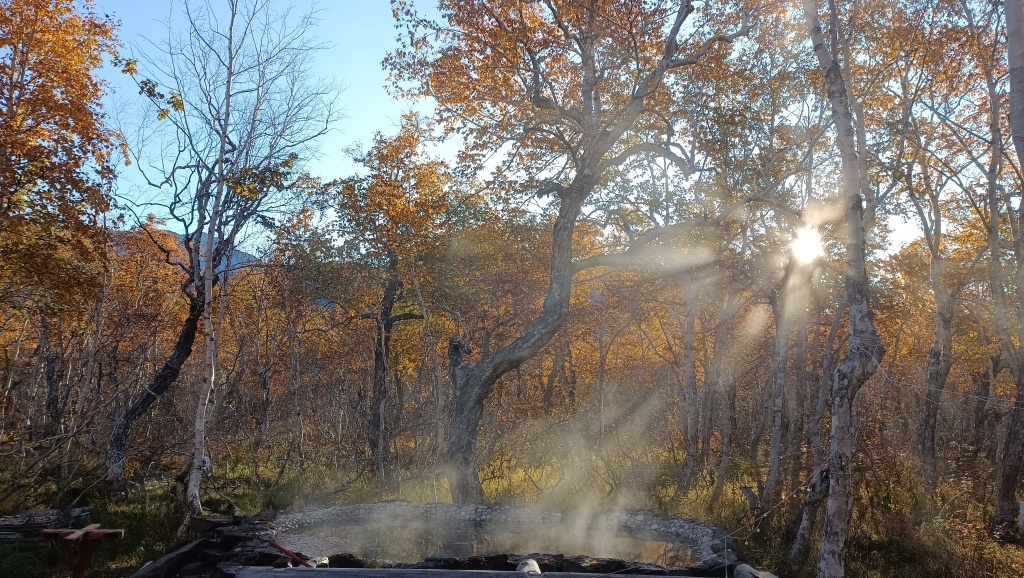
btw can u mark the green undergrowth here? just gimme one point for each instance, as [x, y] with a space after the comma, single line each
[29, 561]
[150, 518]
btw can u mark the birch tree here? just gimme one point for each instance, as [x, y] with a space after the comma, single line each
[865, 348]
[236, 108]
[391, 219]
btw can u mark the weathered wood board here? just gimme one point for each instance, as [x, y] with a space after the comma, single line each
[30, 525]
[742, 571]
[262, 572]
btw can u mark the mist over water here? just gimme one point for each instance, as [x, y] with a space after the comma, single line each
[414, 542]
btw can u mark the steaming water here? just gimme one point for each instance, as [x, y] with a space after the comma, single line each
[413, 543]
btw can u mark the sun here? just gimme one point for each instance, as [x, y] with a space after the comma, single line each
[806, 245]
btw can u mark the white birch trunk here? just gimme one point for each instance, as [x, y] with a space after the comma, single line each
[865, 349]
[1015, 59]
[778, 396]
[724, 388]
[689, 399]
[209, 270]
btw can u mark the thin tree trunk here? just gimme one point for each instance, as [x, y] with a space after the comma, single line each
[51, 378]
[777, 399]
[728, 391]
[690, 402]
[78, 413]
[817, 481]
[602, 363]
[11, 366]
[431, 345]
[1008, 466]
[209, 272]
[798, 410]
[940, 360]
[1015, 59]
[865, 350]
[940, 355]
[378, 427]
[984, 434]
[723, 389]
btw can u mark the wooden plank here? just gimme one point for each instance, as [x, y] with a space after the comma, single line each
[171, 563]
[114, 534]
[78, 534]
[264, 572]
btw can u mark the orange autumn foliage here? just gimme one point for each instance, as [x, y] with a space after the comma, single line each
[56, 153]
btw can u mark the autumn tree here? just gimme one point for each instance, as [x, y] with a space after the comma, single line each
[236, 109]
[865, 349]
[971, 140]
[1010, 324]
[390, 220]
[573, 90]
[930, 172]
[57, 154]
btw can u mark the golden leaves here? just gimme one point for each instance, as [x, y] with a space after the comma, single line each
[176, 102]
[252, 182]
[55, 168]
[403, 206]
[129, 66]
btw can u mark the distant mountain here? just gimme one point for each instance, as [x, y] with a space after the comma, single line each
[237, 260]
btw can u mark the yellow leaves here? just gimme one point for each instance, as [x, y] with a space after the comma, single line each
[403, 207]
[55, 155]
[176, 102]
[148, 88]
[252, 182]
[129, 66]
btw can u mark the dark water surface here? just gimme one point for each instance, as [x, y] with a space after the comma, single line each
[414, 543]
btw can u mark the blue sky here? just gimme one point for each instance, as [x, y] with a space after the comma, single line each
[359, 33]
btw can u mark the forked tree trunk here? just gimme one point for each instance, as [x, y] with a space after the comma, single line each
[723, 388]
[777, 398]
[817, 479]
[213, 221]
[379, 426]
[211, 332]
[940, 360]
[472, 383]
[728, 396]
[1008, 466]
[601, 130]
[940, 356]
